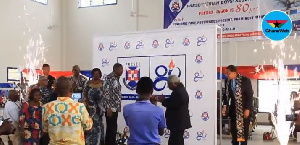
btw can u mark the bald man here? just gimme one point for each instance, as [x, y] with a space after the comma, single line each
[177, 110]
[11, 112]
[78, 81]
[43, 86]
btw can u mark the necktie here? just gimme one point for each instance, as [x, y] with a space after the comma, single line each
[233, 86]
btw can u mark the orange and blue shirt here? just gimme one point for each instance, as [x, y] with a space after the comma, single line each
[65, 121]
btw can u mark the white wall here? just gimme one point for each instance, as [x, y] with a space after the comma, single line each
[84, 23]
[12, 28]
[243, 54]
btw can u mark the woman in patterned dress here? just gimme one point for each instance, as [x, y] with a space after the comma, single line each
[94, 103]
[31, 119]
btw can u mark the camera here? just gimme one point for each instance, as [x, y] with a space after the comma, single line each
[291, 117]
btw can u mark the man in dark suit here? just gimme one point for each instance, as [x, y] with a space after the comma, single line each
[239, 97]
[177, 113]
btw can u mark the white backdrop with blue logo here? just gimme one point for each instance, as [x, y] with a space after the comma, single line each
[189, 53]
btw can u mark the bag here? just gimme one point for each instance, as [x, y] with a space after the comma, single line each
[267, 136]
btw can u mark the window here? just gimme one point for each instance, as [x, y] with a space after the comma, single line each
[45, 2]
[13, 74]
[93, 3]
[268, 94]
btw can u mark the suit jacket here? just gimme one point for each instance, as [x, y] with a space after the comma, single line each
[247, 95]
[177, 109]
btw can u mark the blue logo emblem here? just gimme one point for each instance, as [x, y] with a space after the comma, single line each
[169, 42]
[155, 44]
[186, 42]
[277, 25]
[139, 45]
[132, 76]
[205, 116]
[105, 62]
[186, 134]
[100, 47]
[164, 77]
[201, 135]
[198, 76]
[199, 58]
[112, 46]
[167, 133]
[199, 95]
[201, 40]
[127, 45]
[175, 6]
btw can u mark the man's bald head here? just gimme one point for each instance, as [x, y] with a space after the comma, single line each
[63, 87]
[43, 81]
[173, 79]
[173, 82]
[13, 95]
[41, 78]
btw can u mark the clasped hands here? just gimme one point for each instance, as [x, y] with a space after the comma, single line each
[158, 98]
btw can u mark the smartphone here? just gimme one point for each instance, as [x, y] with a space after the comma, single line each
[76, 97]
[289, 117]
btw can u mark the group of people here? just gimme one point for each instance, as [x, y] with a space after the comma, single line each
[49, 115]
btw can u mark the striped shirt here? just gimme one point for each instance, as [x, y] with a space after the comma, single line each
[80, 82]
[112, 92]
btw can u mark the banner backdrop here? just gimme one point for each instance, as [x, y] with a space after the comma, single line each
[188, 53]
[240, 19]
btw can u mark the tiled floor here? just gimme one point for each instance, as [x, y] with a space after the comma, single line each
[257, 138]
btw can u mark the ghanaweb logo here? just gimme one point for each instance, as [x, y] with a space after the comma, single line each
[277, 25]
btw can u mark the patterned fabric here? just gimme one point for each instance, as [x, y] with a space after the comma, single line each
[51, 80]
[46, 94]
[96, 111]
[65, 120]
[112, 92]
[80, 83]
[31, 122]
[238, 106]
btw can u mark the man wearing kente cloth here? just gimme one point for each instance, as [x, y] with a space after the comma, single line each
[238, 99]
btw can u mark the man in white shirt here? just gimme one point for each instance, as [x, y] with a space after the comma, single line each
[11, 112]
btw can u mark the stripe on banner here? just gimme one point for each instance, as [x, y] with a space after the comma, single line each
[135, 96]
